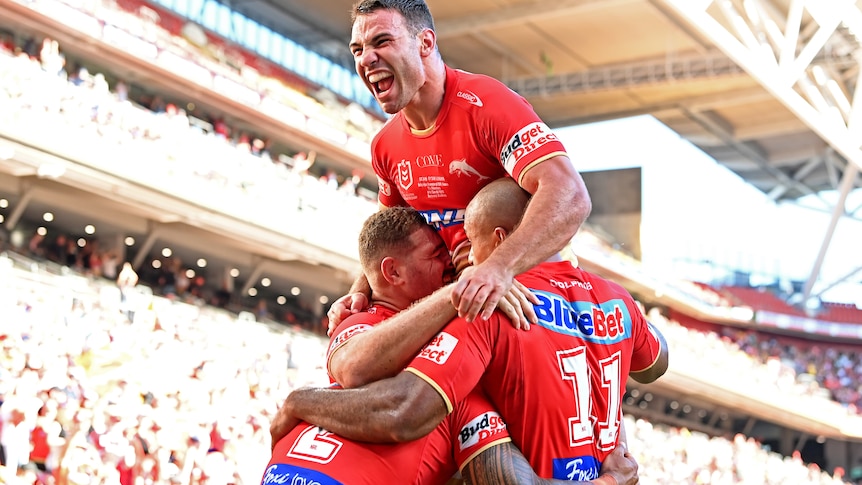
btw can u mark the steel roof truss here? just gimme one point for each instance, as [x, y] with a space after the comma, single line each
[780, 77]
[654, 72]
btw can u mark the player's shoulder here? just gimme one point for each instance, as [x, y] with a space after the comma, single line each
[352, 326]
[603, 285]
[390, 126]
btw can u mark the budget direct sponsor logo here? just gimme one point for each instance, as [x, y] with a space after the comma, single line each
[439, 349]
[346, 335]
[581, 468]
[481, 428]
[470, 97]
[606, 322]
[528, 140]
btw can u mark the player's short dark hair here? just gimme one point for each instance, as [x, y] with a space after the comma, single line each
[415, 12]
[386, 232]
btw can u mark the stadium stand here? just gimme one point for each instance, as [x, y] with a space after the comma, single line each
[148, 396]
[108, 410]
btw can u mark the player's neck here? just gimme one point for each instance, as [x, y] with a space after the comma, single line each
[422, 112]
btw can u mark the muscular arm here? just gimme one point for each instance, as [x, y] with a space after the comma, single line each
[505, 465]
[659, 367]
[402, 408]
[560, 204]
[387, 348]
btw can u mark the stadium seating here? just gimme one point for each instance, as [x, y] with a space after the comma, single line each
[150, 394]
[229, 372]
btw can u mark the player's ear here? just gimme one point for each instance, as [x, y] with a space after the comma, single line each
[500, 235]
[389, 269]
[427, 42]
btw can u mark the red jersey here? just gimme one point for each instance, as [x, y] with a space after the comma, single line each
[484, 131]
[315, 454]
[559, 385]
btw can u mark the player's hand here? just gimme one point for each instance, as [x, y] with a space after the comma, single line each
[344, 307]
[479, 289]
[621, 466]
[518, 306]
[281, 425]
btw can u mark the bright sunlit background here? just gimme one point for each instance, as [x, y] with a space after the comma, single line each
[701, 221]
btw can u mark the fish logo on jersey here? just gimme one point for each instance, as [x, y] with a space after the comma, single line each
[461, 167]
[405, 174]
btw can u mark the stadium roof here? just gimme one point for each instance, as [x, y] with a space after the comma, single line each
[769, 88]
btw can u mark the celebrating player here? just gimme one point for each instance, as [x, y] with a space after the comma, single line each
[405, 260]
[452, 133]
[559, 386]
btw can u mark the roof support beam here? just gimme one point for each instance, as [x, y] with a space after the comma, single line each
[650, 73]
[786, 74]
[154, 230]
[721, 129]
[848, 181]
[780, 79]
[837, 282]
[256, 271]
[800, 175]
[27, 188]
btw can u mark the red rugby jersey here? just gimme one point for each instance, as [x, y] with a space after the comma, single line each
[560, 384]
[484, 131]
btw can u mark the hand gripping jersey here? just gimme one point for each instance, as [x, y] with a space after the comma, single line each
[484, 131]
[312, 455]
[559, 385]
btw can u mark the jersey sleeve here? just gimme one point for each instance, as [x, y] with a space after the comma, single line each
[516, 135]
[454, 361]
[476, 427]
[347, 329]
[646, 346]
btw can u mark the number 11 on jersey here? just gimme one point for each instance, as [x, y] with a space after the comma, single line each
[574, 368]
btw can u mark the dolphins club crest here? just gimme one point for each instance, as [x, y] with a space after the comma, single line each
[405, 174]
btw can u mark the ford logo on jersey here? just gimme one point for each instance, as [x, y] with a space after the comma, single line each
[581, 468]
[281, 474]
[608, 322]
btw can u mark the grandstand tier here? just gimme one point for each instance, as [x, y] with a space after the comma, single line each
[165, 183]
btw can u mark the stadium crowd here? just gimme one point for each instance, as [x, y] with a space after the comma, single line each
[212, 166]
[95, 390]
[184, 394]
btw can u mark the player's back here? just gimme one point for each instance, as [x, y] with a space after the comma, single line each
[560, 384]
[312, 455]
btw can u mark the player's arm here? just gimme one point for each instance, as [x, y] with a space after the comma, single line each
[559, 205]
[659, 365]
[398, 409]
[505, 465]
[386, 349]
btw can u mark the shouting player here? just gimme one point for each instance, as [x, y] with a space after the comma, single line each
[452, 133]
